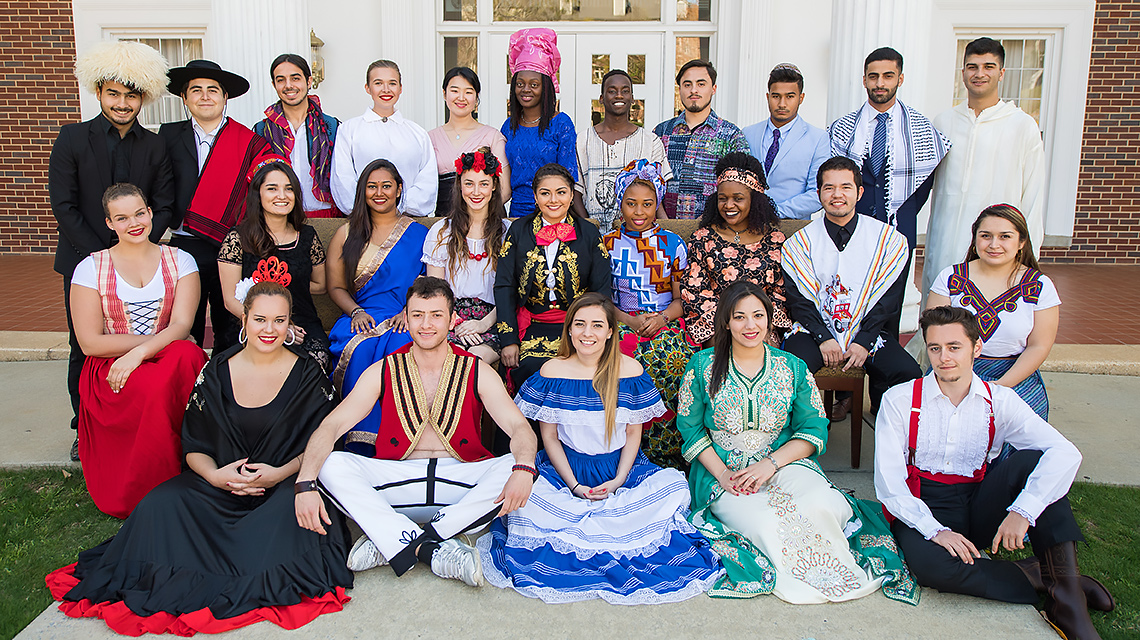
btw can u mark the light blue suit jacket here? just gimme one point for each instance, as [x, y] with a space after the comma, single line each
[791, 182]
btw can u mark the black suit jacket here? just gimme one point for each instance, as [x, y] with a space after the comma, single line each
[79, 173]
[183, 151]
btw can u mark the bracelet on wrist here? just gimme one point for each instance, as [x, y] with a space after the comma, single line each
[305, 486]
[769, 458]
[352, 316]
[575, 487]
[526, 467]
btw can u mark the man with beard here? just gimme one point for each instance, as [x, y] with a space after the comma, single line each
[695, 141]
[299, 131]
[897, 148]
[935, 443]
[212, 154]
[110, 148]
[607, 147]
[790, 149]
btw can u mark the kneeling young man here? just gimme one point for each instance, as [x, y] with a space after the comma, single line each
[430, 464]
[933, 439]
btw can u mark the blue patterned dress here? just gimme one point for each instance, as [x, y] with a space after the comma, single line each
[634, 547]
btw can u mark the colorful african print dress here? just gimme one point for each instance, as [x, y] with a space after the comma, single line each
[1006, 324]
[799, 537]
[715, 263]
[645, 266]
[634, 547]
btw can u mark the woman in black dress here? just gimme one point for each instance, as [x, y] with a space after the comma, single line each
[273, 242]
[549, 258]
[218, 547]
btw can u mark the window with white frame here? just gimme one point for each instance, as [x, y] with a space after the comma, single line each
[178, 50]
[1024, 82]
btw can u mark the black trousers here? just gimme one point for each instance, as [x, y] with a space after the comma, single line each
[75, 358]
[891, 327]
[885, 368]
[205, 254]
[976, 511]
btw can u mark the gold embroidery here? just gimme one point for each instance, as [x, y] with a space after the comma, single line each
[402, 224]
[808, 553]
[530, 274]
[506, 248]
[360, 436]
[444, 413]
[685, 395]
[502, 327]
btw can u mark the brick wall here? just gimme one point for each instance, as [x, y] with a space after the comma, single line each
[38, 94]
[1107, 226]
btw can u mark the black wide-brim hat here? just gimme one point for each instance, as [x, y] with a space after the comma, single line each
[234, 84]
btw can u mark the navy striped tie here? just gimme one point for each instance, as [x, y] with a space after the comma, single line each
[879, 145]
[772, 151]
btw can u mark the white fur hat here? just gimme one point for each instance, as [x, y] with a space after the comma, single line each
[132, 64]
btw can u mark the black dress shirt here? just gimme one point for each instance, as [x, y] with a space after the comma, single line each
[806, 313]
[119, 148]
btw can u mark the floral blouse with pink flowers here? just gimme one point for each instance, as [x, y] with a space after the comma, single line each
[715, 263]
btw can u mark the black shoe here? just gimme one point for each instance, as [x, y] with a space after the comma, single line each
[75, 450]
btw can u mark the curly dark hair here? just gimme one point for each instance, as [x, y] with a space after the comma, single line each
[762, 210]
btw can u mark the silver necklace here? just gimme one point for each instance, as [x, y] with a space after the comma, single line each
[535, 121]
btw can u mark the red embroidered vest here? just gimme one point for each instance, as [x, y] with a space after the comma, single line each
[455, 415]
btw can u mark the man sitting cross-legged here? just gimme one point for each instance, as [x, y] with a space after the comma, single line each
[933, 439]
[431, 465]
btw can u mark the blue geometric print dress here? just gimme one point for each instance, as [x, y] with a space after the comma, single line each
[634, 547]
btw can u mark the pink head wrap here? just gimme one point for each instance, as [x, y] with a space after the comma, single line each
[535, 50]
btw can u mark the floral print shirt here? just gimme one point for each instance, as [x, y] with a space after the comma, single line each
[715, 263]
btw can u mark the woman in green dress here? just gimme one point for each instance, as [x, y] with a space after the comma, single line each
[751, 416]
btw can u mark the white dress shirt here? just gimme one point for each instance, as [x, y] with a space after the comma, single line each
[952, 440]
[395, 138]
[299, 160]
[865, 130]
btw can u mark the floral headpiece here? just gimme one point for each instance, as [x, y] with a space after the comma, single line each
[265, 161]
[270, 269]
[640, 170]
[742, 176]
[481, 161]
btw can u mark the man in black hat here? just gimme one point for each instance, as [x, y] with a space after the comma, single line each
[211, 155]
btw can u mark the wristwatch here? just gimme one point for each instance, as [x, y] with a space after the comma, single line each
[305, 486]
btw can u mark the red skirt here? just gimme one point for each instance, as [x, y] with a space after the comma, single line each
[122, 620]
[131, 441]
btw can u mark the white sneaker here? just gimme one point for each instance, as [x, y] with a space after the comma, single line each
[457, 561]
[364, 555]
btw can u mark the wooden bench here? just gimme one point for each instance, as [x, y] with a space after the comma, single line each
[832, 379]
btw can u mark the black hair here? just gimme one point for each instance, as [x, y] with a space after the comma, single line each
[883, 53]
[982, 46]
[466, 73]
[253, 230]
[549, 102]
[722, 336]
[761, 211]
[553, 169]
[360, 218]
[785, 73]
[839, 163]
[427, 287]
[946, 314]
[615, 72]
[291, 58]
[697, 64]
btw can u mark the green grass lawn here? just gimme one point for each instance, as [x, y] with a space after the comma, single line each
[46, 518]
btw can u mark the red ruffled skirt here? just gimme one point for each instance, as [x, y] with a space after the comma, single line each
[131, 441]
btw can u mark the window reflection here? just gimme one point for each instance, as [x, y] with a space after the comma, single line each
[559, 10]
[459, 10]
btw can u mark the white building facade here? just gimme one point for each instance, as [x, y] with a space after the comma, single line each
[1048, 46]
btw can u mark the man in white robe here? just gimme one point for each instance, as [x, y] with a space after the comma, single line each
[997, 157]
[842, 283]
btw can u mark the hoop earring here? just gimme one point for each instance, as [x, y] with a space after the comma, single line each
[292, 339]
[241, 336]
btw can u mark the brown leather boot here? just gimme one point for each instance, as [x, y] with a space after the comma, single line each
[1065, 602]
[1096, 594]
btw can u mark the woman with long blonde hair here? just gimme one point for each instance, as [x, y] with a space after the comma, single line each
[602, 521]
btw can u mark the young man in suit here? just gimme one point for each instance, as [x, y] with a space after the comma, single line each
[88, 157]
[790, 149]
[212, 155]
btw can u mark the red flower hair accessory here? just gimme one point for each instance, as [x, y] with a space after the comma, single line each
[480, 161]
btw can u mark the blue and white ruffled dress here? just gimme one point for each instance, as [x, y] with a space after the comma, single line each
[635, 547]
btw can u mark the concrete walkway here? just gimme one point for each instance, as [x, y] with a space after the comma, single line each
[1092, 410]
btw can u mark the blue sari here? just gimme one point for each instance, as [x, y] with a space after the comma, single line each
[381, 289]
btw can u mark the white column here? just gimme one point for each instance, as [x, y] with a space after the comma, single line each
[245, 36]
[858, 27]
[743, 59]
[407, 37]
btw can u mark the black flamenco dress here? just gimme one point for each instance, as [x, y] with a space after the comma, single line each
[194, 558]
